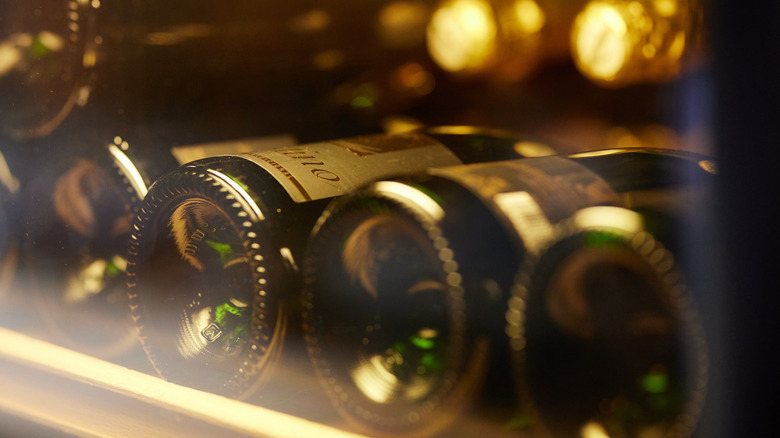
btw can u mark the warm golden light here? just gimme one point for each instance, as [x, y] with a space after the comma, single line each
[126, 167]
[666, 8]
[529, 17]
[456, 129]
[400, 124]
[709, 166]
[503, 40]
[600, 41]
[616, 218]
[9, 57]
[18, 49]
[328, 59]
[179, 34]
[533, 149]
[461, 35]
[248, 204]
[594, 430]
[89, 59]
[402, 23]
[7, 178]
[414, 197]
[158, 408]
[527, 217]
[616, 42]
[315, 20]
[413, 77]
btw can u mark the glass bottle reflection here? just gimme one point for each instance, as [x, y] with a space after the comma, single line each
[78, 208]
[46, 55]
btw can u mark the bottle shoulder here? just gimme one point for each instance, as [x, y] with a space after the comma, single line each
[435, 205]
[476, 145]
[646, 168]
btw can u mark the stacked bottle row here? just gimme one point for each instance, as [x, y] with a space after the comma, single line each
[540, 291]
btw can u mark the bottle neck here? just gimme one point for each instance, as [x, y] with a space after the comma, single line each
[627, 170]
[478, 145]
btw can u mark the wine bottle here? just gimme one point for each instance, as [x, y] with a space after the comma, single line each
[604, 335]
[78, 208]
[405, 283]
[215, 248]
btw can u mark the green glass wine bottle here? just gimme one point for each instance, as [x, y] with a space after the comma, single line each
[605, 337]
[215, 249]
[405, 283]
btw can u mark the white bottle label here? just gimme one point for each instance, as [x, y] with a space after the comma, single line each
[325, 170]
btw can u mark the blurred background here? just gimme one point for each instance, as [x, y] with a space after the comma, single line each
[576, 75]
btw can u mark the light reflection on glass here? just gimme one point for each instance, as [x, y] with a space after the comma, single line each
[7, 179]
[400, 124]
[20, 49]
[82, 197]
[77, 260]
[615, 217]
[92, 279]
[411, 196]
[126, 167]
[533, 149]
[220, 329]
[180, 34]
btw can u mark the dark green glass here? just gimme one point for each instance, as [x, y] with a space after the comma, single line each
[605, 336]
[77, 207]
[267, 203]
[458, 236]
